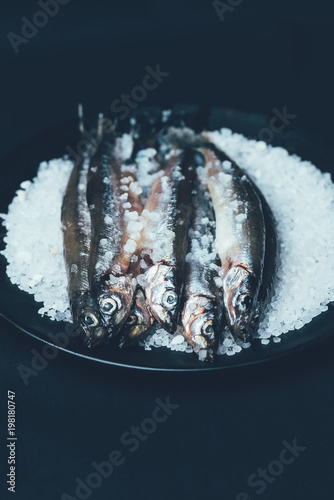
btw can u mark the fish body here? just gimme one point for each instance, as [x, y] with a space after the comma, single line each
[167, 215]
[76, 228]
[202, 311]
[240, 239]
[113, 199]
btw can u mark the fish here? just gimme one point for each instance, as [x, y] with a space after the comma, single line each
[167, 215]
[138, 322]
[202, 316]
[76, 227]
[145, 155]
[242, 233]
[140, 318]
[113, 196]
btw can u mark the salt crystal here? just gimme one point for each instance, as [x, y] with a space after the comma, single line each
[218, 281]
[134, 226]
[133, 215]
[246, 345]
[202, 355]
[177, 340]
[228, 342]
[25, 185]
[142, 281]
[265, 341]
[240, 217]
[21, 196]
[130, 246]
[227, 164]
[108, 219]
[135, 188]
[135, 235]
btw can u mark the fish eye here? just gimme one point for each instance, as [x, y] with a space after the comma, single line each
[90, 320]
[245, 302]
[170, 299]
[109, 306]
[207, 328]
[132, 320]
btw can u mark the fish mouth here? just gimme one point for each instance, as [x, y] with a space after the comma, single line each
[138, 322]
[132, 336]
[239, 308]
[240, 297]
[88, 324]
[167, 319]
[95, 337]
[200, 323]
[87, 319]
[163, 295]
[115, 300]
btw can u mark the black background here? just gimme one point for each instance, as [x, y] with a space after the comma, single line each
[263, 55]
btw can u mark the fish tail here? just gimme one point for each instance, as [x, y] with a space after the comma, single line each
[81, 118]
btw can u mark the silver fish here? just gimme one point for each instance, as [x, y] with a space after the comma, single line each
[241, 237]
[76, 229]
[167, 215]
[202, 311]
[115, 207]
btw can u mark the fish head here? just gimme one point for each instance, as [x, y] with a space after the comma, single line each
[87, 321]
[138, 321]
[163, 294]
[240, 297]
[200, 323]
[114, 299]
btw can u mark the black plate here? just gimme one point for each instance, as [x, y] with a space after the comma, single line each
[21, 309]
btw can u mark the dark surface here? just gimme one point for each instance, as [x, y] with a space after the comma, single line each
[72, 412]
